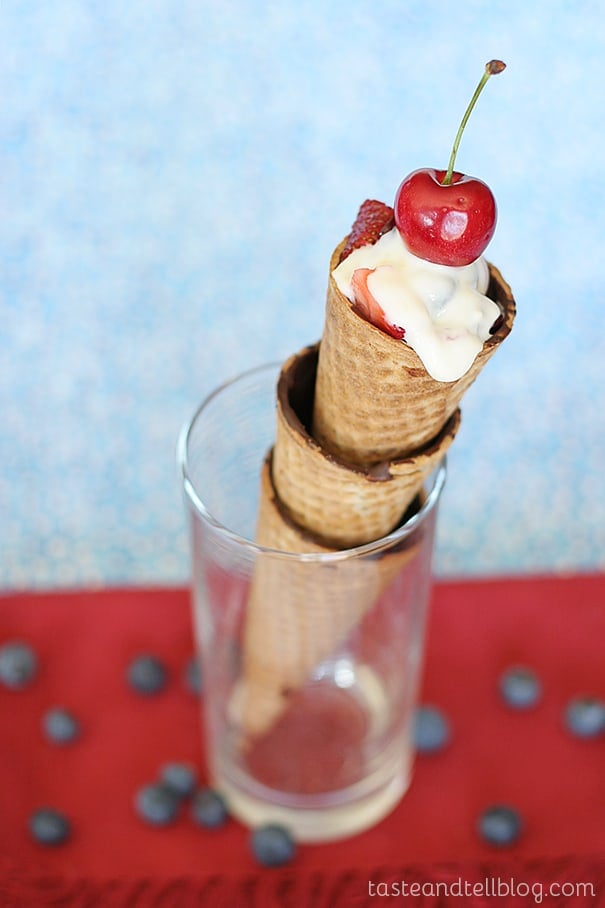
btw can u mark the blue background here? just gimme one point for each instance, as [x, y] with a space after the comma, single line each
[174, 177]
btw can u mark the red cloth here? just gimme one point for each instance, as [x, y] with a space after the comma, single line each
[527, 759]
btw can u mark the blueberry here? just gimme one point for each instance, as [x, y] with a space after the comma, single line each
[431, 730]
[156, 804]
[194, 681]
[272, 845]
[147, 675]
[585, 717]
[209, 809]
[18, 664]
[499, 825]
[49, 827]
[60, 726]
[520, 687]
[180, 778]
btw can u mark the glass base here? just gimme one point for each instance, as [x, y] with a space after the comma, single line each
[315, 824]
[330, 767]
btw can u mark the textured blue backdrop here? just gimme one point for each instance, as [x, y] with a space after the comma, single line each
[173, 179]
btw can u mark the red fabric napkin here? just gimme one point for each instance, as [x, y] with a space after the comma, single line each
[85, 642]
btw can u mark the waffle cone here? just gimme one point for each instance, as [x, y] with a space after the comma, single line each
[300, 613]
[360, 425]
[347, 505]
[374, 399]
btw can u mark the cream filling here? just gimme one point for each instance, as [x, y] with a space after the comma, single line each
[443, 310]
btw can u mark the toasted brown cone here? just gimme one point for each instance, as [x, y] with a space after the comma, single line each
[300, 613]
[347, 505]
[374, 399]
[372, 406]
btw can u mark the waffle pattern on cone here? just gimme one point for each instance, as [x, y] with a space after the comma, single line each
[345, 504]
[361, 426]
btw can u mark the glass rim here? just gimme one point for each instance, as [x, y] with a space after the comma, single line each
[367, 548]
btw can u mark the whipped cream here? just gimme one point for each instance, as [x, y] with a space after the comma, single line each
[443, 310]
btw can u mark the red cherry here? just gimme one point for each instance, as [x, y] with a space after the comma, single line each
[444, 216]
[449, 224]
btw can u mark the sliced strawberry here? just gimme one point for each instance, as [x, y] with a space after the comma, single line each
[373, 219]
[368, 308]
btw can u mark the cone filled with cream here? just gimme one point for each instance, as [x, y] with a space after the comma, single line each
[375, 398]
[361, 423]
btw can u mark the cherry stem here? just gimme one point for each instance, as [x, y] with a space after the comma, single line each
[491, 69]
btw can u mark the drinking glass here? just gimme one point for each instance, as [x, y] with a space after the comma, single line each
[311, 661]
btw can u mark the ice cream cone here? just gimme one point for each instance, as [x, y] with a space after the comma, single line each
[347, 505]
[374, 399]
[360, 425]
[299, 614]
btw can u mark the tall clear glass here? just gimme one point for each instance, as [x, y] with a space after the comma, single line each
[333, 753]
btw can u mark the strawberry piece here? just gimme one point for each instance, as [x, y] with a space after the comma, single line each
[373, 219]
[368, 308]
